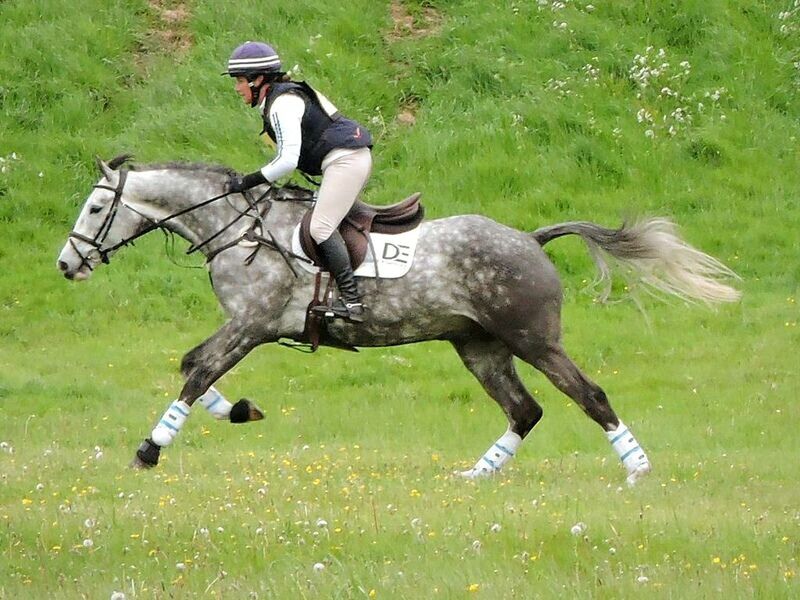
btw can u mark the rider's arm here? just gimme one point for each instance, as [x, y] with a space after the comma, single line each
[285, 116]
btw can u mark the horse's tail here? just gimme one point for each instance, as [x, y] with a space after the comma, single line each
[652, 251]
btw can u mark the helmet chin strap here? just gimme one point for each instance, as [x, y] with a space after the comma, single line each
[255, 92]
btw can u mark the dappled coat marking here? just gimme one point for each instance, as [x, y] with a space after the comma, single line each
[488, 289]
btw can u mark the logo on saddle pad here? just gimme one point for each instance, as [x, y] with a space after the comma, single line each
[381, 241]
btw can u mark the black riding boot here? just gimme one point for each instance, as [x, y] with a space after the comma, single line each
[335, 259]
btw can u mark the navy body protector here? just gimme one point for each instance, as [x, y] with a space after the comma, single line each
[321, 131]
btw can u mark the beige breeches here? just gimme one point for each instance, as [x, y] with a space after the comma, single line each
[344, 174]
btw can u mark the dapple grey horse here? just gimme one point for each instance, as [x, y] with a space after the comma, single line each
[488, 289]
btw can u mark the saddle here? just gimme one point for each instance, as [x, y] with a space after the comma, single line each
[361, 221]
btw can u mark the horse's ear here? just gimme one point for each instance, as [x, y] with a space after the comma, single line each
[105, 170]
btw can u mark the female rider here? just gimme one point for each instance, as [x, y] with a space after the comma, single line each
[310, 135]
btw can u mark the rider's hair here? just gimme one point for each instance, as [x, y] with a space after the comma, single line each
[272, 77]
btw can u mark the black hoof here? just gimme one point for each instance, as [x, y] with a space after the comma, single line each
[146, 456]
[244, 411]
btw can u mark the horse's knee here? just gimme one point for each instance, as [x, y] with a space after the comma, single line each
[187, 363]
[190, 362]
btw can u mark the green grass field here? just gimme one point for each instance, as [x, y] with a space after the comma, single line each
[531, 113]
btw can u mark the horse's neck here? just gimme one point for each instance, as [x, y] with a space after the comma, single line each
[162, 193]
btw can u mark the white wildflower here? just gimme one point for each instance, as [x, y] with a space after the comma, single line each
[495, 528]
[88, 543]
[318, 567]
[578, 528]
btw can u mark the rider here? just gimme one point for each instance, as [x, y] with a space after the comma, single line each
[312, 136]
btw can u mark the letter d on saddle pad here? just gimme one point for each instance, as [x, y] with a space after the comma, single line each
[392, 257]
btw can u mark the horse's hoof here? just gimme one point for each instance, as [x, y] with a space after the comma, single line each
[244, 411]
[146, 456]
[638, 473]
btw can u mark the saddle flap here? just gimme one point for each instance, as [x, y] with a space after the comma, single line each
[362, 219]
[354, 238]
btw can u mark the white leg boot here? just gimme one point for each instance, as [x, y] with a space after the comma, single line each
[630, 453]
[215, 403]
[168, 428]
[495, 457]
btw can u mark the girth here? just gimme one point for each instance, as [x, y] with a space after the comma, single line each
[365, 218]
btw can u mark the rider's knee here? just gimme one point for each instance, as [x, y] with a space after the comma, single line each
[320, 231]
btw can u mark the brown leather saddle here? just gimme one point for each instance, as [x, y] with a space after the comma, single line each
[361, 220]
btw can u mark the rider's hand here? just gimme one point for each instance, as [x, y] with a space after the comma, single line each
[237, 183]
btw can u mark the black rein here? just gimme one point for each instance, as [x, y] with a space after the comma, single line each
[250, 235]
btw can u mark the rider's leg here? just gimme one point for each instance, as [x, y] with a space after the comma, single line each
[334, 254]
[345, 172]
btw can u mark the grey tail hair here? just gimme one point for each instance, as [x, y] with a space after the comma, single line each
[650, 252]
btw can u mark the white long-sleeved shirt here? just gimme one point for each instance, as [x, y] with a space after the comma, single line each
[285, 116]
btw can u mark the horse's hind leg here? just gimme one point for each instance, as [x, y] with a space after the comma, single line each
[567, 377]
[492, 363]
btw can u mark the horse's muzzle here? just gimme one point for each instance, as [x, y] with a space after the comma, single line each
[78, 274]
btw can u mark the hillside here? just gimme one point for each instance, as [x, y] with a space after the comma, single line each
[531, 113]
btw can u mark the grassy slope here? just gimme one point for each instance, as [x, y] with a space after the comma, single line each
[509, 124]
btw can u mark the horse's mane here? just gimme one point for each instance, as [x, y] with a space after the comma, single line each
[123, 159]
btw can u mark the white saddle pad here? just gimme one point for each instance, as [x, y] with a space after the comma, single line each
[394, 254]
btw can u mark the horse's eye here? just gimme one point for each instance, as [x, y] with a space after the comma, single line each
[94, 209]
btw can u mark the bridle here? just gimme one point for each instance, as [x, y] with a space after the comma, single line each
[251, 235]
[97, 241]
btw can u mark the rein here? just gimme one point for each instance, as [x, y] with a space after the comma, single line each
[252, 235]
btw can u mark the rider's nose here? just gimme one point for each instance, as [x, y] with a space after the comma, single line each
[63, 265]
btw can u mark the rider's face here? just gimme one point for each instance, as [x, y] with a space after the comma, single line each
[244, 90]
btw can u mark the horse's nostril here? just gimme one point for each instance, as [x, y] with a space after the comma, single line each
[62, 265]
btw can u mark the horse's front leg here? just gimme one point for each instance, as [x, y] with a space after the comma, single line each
[202, 367]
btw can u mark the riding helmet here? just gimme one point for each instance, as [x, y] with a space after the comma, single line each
[253, 58]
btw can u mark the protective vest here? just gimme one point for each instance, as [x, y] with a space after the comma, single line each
[323, 128]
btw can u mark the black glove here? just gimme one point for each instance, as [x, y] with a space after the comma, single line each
[237, 183]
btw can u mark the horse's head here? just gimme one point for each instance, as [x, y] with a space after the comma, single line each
[107, 221]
